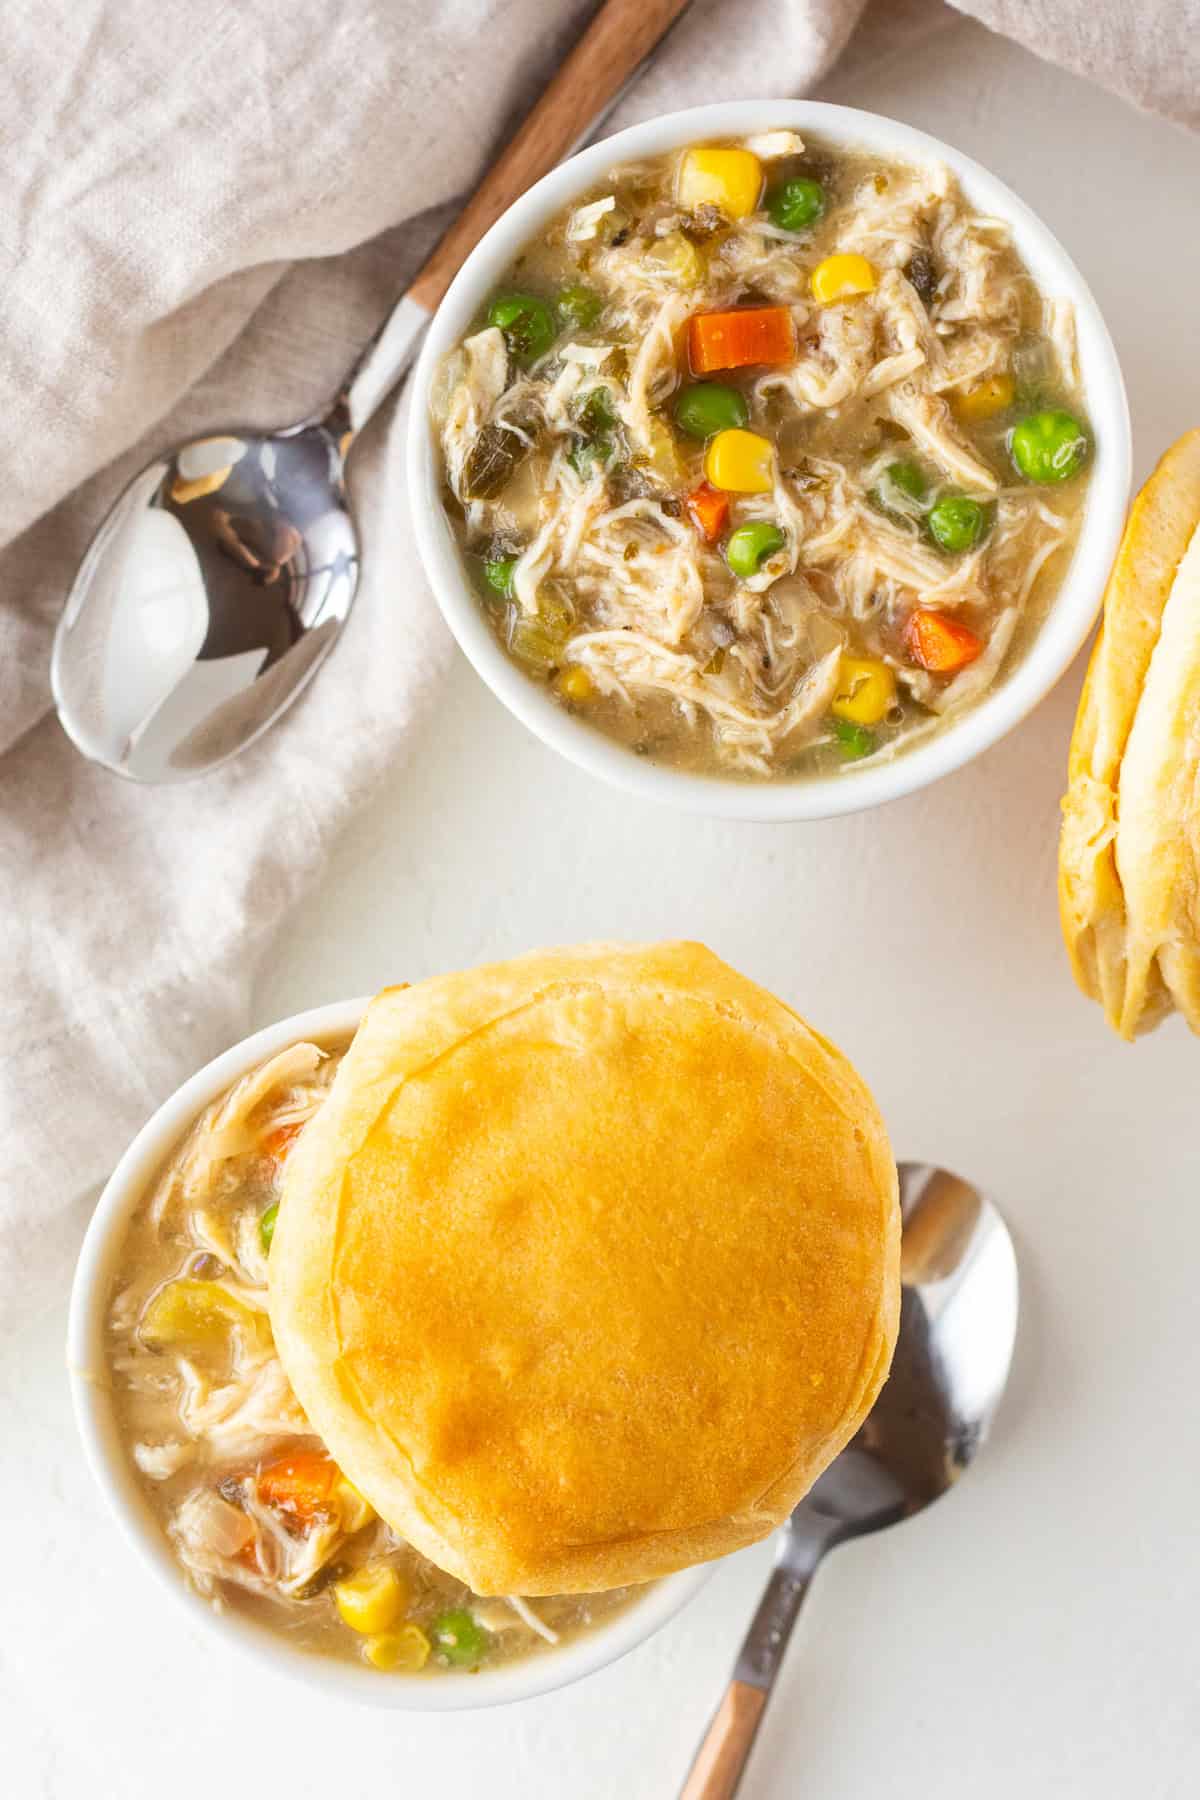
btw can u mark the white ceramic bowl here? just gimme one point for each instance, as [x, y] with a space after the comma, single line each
[1069, 620]
[120, 1485]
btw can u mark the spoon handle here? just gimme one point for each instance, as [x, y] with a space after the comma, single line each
[721, 1760]
[589, 83]
[717, 1770]
[619, 38]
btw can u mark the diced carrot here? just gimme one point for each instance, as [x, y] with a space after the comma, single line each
[279, 1143]
[709, 509]
[940, 643]
[248, 1556]
[300, 1484]
[749, 334]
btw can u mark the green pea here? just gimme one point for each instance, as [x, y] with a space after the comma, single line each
[750, 545]
[1048, 447]
[266, 1225]
[956, 522]
[707, 407]
[854, 741]
[795, 205]
[527, 323]
[498, 573]
[457, 1638]
[579, 306]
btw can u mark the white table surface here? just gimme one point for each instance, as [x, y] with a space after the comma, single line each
[1037, 1632]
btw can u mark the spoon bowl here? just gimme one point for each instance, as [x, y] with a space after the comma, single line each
[958, 1328]
[213, 592]
[958, 1323]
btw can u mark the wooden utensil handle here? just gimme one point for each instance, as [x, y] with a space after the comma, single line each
[622, 33]
[717, 1770]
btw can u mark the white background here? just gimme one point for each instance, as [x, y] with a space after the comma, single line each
[1036, 1633]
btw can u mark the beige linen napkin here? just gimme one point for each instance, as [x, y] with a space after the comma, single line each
[179, 187]
[204, 212]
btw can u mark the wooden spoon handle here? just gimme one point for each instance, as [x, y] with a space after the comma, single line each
[717, 1770]
[620, 36]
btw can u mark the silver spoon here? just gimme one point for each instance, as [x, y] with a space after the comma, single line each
[958, 1325]
[221, 578]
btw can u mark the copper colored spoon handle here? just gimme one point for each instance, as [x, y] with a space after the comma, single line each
[721, 1760]
[617, 41]
[586, 87]
[717, 1770]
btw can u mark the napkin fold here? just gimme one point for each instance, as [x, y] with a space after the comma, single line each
[204, 214]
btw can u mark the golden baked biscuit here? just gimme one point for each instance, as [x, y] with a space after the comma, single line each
[1092, 904]
[588, 1266]
[1158, 834]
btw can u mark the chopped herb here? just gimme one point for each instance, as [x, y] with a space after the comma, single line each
[494, 455]
[923, 276]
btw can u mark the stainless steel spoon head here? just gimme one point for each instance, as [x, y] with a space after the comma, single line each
[212, 593]
[958, 1327]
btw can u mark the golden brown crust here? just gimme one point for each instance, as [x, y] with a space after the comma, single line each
[1091, 899]
[589, 1264]
[1158, 836]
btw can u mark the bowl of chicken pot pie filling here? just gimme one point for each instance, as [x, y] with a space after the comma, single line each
[207, 1460]
[769, 459]
[432, 1347]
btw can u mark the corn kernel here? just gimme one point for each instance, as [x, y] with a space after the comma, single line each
[985, 399]
[575, 684]
[741, 462]
[406, 1649]
[866, 688]
[729, 179]
[372, 1599]
[838, 277]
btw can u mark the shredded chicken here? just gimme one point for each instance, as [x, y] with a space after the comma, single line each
[832, 369]
[234, 1417]
[584, 223]
[236, 1125]
[983, 283]
[769, 146]
[512, 1613]
[617, 660]
[928, 421]
[473, 383]
[1060, 329]
[655, 369]
[888, 222]
[161, 1461]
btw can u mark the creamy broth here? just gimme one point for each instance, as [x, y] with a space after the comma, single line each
[256, 1513]
[775, 482]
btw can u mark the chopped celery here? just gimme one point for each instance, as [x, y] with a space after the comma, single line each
[199, 1314]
